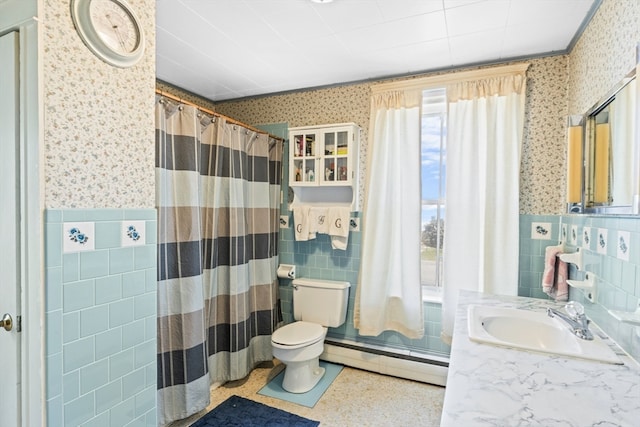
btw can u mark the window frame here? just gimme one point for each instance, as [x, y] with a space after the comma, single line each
[435, 107]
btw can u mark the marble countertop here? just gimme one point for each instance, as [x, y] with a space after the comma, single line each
[494, 386]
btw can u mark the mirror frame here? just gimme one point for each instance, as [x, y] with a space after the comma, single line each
[587, 206]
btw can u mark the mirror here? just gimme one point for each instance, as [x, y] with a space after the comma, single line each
[610, 164]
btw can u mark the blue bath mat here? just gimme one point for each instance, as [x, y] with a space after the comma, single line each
[237, 411]
[308, 399]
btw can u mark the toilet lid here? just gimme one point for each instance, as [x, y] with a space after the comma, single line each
[298, 333]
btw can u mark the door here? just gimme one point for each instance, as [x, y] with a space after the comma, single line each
[10, 376]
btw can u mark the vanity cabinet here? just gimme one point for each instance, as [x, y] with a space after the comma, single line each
[491, 385]
[323, 163]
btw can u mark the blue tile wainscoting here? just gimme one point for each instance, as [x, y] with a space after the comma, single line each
[316, 259]
[617, 275]
[618, 281]
[100, 317]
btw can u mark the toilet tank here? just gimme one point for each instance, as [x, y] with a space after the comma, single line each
[320, 301]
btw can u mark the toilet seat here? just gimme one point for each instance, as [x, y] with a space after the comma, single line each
[298, 334]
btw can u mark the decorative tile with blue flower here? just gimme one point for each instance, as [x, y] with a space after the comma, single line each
[624, 237]
[78, 237]
[133, 233]
[541, 230]
[601, 241]
[586, 237]
[574, 235]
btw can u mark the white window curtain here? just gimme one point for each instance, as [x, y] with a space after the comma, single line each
[388, 295]
[484, 142]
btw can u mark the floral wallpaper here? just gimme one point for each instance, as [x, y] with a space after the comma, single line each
[557, 86]
[341, 104]
[542, 176]
[542, 173]
[604, 54]
[99, 148]
[98, 132]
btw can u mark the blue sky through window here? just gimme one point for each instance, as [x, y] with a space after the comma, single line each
[433, 154]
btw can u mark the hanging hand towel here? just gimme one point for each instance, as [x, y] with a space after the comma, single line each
[318, 221]
[554, 276]
[339, 226]
[320, 215]
[301, 223]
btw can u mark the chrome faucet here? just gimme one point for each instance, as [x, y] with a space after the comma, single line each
[575, 319]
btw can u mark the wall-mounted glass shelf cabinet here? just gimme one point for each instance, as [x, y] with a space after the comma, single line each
[324, 158]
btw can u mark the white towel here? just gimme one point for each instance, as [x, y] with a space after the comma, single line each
[301, 223]
[339, 226]
[318, 220]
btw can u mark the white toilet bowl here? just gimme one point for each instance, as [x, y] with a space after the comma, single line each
[299, 345]
[317, 305]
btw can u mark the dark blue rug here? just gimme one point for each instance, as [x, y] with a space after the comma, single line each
[238, 411]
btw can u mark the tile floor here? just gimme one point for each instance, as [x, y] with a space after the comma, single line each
[356, 398]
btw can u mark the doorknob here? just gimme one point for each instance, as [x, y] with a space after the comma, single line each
[6, 322]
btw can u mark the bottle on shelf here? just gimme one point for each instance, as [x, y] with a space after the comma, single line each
[343, 173]
[298, 146]
[323, 162]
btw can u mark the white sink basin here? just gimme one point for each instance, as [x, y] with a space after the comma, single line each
[533, 331]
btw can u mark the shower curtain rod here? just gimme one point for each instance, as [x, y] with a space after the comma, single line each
[213, 113]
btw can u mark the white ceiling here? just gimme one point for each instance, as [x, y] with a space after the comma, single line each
[227, 49]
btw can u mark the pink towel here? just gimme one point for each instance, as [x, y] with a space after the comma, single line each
[554, 277]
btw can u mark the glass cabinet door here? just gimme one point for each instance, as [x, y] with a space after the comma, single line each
[304, 157]
[336, 152]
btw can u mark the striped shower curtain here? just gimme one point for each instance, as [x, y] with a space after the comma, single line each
[218, 192]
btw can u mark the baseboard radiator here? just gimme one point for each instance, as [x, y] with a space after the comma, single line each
[432, 370]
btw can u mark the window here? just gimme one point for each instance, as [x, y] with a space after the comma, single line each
[433, 160]
[434, 137]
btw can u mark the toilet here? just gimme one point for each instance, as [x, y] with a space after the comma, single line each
[317, 305]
